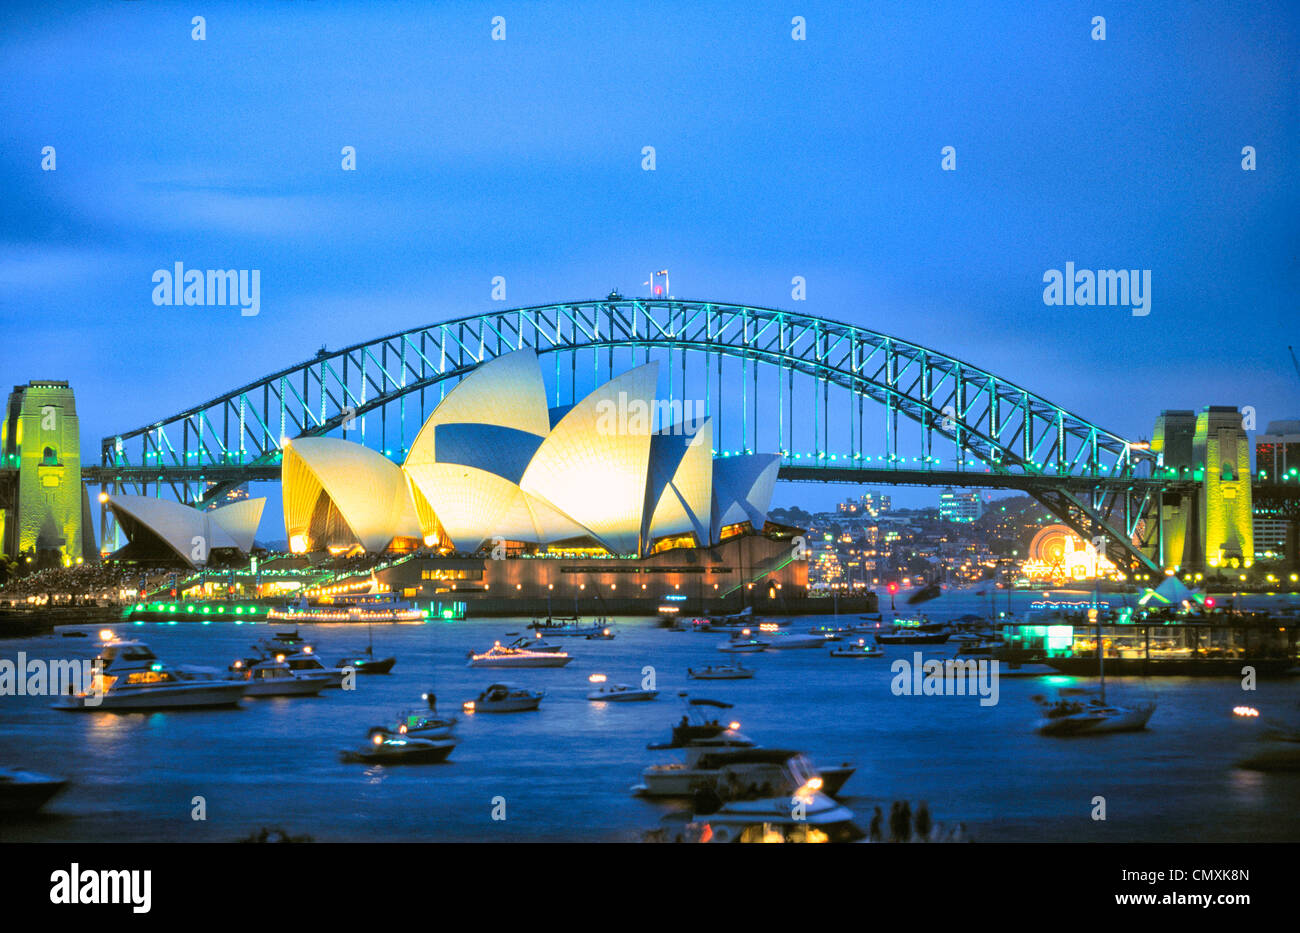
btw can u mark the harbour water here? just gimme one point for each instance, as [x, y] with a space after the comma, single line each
[565, 771]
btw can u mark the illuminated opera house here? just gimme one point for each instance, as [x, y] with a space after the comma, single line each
[615, 499]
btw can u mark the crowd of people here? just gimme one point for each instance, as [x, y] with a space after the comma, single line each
[906, 826]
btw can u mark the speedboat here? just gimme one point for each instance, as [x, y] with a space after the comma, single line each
[730, 766]
[277, 679]
[306, 662]
[425, 723]
[604, 634]
[25, 792]
[857, 649]
[390, 748]
[618, 693]
[831, 632]
[735, 671]
[133, 678]
[506, 698]
[500, 656]
[1076, 713]
[771, 819]
[282, 641]
[743, 642]
[537, 643]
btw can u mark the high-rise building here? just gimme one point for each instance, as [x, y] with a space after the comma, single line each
[1277, 453]
[959, 506]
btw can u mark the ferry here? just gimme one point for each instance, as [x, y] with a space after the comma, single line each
[364, 607]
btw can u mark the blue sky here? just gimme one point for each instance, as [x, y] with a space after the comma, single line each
[775, 158]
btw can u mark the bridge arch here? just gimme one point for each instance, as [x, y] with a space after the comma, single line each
[925, 404]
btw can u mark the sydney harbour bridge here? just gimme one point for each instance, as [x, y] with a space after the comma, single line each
[839, 402]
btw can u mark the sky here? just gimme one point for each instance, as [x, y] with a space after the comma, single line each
[774, 157]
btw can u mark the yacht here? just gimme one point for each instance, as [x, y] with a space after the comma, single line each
[731, 765]
[277, 679]
[537, 643]
[506, 698]
[499, 656]
[306, 662]
[1076, 712]
[425, 723]
[617, 693]
[390, 748]
[857, 649]
[788, 640]
[25, 792]
[133, 678]
[743, 642]
[735, 671]
[804, 813]
[766, 820]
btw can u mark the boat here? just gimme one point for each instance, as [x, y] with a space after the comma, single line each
[912, 636]
[783, 641]
[604, 634]
[369, 607]
[743, 642]
[617, 693]
[1090, 715]
[735, 671]
[277, 679]
[571, 627]
[857, 649]
[1079, 712]
[832, 632]
[712, 752]
[536, 643]
[977, 648]
[366, 662]
[506, 698]
[24, 792]
[500, 656]
[306, 662]
[391, 748]
[925, 594]
[425, 723]
[133, 678]
[769, 819]
[282, 641]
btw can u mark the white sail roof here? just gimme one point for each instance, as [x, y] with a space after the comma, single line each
[593, 467]
[329, 483]
[742, 490]
[192, 534]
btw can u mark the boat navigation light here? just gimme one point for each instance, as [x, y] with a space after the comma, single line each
[379, 738]
[1245, 711]
[596, 679]
[468, 706]
[306, 649]
[734, 725]
[106, 634]
[279, 659]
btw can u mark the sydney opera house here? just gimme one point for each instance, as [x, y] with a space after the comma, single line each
[618, 482]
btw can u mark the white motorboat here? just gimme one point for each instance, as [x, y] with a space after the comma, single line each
[743, 642]
[500, 656]
[277, 679]
[537, 643]
[617, 693]
[858, 649]
[735, 671]
[425, 723]
[306, 662]
[769, 819]
[25, 792]
[133, 678]
[505, 698]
